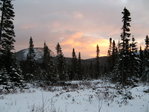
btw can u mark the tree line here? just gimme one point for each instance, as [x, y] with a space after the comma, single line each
[126, 64]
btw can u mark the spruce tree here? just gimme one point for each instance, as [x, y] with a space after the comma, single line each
[141, 56]
[110, 47]
[60, 63]
[146, 59]
[114, 55]
[126, 31]
[30, 66]
[73, 74]
[122, 69]
[110, 54]
[147, 43]
[50, 70]
[79, 67]
[124, 52]
[46, 64]
[97, 69]
[8, 64]
[31, 52]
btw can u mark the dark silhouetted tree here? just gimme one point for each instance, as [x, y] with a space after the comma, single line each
[97, 74]
[141, 56]
[114, 55]
[79, 67]
[110, 47]
[146, 59]
[50, 69]
[110, 55]
[8, 66]
[30, 67]
[61, 68]
[31, 52]
[73, 74]
[147, 43]
[122, 71]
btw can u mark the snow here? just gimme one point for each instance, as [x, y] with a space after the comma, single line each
[22, 54]
[87, 96]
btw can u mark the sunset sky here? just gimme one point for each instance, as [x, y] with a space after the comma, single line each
[79, 24]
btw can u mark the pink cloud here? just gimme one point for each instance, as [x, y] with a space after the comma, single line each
[85, 45]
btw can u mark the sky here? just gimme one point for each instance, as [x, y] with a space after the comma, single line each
[79, 24]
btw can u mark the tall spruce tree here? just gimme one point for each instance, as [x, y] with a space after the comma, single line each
[31, 52]
[6, 29]
[141, 56]
[122, 71]
[114, 55]
[147, 43]
[73, 74]
[146, 59]
[110, 47]
[49, 67]
[79, 67]
[30, 66]
[110, 54]
[124, 53]
[60, 63]
[9, 69]
[126, 31]
[97, 68]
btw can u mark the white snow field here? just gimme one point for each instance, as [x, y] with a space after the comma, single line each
[85, 96]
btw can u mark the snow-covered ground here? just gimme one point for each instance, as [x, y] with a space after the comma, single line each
[86, 96]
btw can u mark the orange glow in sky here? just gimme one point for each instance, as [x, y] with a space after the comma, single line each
[85, 45]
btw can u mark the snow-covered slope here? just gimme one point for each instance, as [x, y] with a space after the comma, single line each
[22, 54]
[88, 96]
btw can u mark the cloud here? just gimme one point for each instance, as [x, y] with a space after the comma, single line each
[81, 24]
[84, 44]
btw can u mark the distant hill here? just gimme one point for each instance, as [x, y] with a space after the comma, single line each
[103, 60]
[22, 54]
